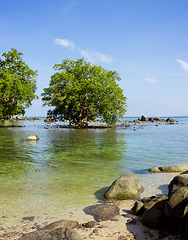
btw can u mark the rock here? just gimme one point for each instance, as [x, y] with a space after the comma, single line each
[136, 121]
[53, 234]
[36, 118]
[157, 202]
[154, 170]
[138, 207]
[177, 206]
[60, 224]
[158, 119]
[32, 137]
[154, 218]
[49, 120]
[102, 212]
[89, 224]
[173, 168]
[127, 186]
[144, 118]
[170, 120]
[177, 182]
[151, 120]
[147, 199]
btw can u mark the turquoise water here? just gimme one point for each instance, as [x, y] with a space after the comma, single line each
[74, 167]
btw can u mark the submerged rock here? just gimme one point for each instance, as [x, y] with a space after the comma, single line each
[32, 137]
[127, 186]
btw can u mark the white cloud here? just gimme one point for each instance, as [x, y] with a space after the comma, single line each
[151, 80]
[183, 64]
[92, 55]
[65, 43]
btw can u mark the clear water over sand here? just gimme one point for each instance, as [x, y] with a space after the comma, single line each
[69, 167]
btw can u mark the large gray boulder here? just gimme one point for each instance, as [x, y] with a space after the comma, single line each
[32, 137]
[127, 186]
[52, 234]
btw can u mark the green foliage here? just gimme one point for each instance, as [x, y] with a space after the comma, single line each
[81, 92]
[17, 84]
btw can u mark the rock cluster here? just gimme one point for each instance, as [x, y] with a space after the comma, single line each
[16, 117]
[119, 123]
[156, 119]
[167, 212]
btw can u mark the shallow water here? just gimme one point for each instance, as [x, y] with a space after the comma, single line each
[74, 167]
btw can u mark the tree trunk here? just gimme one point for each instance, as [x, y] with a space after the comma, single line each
[82, 123]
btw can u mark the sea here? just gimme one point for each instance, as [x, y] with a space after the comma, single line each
[74, 167]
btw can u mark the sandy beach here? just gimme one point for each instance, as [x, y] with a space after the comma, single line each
[125, 226]
[118, 228]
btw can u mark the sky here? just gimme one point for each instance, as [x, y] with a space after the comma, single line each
[145, 41]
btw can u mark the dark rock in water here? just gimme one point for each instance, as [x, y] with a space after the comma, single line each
[136, 121]
[60, 224]
[53, 234]
[154, 218]
[170, 120]
[151, 120]
[127, 186]
[49, 120]
[144, 118]
[102, 212]
[158, 119]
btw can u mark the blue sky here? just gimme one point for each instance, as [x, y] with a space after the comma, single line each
[146, 42]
